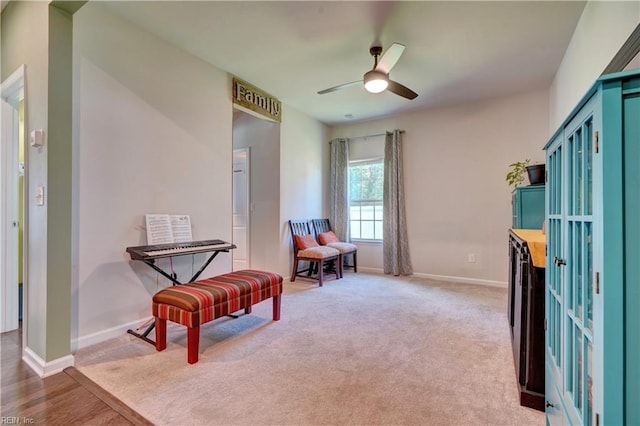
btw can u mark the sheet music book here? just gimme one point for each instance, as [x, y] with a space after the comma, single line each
[168, 228]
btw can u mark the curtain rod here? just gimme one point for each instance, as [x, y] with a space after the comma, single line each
[369, 136]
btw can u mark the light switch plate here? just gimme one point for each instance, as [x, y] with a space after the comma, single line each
[36, 138]
[40, 196]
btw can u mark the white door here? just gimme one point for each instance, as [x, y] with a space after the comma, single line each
[241, 208]
[9, 218]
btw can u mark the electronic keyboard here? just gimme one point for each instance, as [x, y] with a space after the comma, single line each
[157, 251]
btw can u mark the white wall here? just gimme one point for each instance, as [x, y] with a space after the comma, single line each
[154, 136]
[457, 200]
[603, 28]
[304, 177]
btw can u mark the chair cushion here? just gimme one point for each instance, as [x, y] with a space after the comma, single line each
[343, 247]
[328, 237]
[320, 252]
[305, 241]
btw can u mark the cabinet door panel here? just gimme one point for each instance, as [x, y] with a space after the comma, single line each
[579, 267]
[632, 251]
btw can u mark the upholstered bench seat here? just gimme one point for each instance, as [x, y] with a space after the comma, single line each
[202, 301]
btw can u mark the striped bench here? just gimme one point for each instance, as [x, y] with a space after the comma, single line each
[202, 301]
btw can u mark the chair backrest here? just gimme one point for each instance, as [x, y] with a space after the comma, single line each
[320, 226]
[298, 227]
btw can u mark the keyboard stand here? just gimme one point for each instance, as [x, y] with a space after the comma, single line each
[151, 262]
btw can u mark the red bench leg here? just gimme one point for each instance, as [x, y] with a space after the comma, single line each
[193, 343]
[276, 307]
[161, 334]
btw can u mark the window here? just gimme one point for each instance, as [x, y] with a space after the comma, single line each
[365, 199]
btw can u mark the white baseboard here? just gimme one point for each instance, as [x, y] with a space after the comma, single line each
[45, 369]
[110, 333]
[463, 280]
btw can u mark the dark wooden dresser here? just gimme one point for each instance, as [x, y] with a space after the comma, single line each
[526, 313]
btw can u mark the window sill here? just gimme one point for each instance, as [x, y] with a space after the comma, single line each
[367, 242]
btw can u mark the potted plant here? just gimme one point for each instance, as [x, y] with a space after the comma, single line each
[516, 174]
[535, 172]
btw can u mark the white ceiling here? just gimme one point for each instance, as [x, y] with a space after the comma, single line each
[455, 51]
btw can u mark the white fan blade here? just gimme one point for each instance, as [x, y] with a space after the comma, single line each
[390, 57]
[342, 86]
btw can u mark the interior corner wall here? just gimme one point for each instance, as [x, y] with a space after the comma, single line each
[304, 175]
[457, 200]
[602, 29]
[25, 40]
[154, 136]
[58, 186]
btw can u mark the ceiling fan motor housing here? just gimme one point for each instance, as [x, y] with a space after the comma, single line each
[375, 81]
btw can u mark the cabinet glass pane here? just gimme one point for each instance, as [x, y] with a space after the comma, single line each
[569, 296]
[554, 183]
[589, 362]
[570, 173]
[553, 251]
[578, 270]
[578, 200]
[588, 158]
[589, 275]
[578, 367]
[557, 335]
[570, 372]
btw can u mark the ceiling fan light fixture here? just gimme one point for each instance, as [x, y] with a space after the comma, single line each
[375, 81]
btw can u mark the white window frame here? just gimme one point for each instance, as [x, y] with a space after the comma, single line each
[375, 202]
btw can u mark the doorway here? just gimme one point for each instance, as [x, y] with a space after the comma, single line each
[11, 206]
[256, 191]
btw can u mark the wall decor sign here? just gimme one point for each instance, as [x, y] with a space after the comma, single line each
[256, 100]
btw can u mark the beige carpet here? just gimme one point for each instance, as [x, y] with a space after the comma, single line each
[365, 350]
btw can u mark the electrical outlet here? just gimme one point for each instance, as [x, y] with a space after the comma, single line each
[471, 258]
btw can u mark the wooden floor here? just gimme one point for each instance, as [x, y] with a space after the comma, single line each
[67, 398]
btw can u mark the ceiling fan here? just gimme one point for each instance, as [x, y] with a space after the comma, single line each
[377, 80]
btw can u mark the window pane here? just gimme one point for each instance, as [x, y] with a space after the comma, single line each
[367, 212]
[378, 230]
[367, 230]
[354, 212]
[378, 211]
[355, 229]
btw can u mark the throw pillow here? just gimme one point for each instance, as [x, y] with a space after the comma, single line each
[305, 241]
[328, 237]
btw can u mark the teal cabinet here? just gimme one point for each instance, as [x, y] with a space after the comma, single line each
[592, 342]
[527, 204]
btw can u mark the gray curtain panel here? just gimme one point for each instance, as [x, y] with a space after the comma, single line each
[339, 189]
[395, 246]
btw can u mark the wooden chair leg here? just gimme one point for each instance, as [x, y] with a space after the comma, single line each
[320, 271]
[161, 334]
[341, 265]
[276, 307]
[193, 344]
[295, 269]
[355, 261]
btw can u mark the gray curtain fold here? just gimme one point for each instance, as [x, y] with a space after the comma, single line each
[395, 244]
[339, 188]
